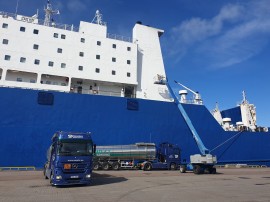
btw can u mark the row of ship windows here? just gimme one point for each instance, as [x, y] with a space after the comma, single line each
[60, 50]
[63, 65]
[62, 36]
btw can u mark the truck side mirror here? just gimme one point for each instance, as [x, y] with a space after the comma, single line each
[94, 148]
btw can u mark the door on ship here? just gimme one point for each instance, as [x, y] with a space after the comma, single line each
[129, 91]
[79, 90]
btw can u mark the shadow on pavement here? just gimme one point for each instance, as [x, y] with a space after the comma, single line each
[100, 179]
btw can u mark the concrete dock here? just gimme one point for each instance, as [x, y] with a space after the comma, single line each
[245, 184]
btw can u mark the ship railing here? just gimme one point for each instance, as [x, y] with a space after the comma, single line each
[102, 92]
[119, 37]
[62, 26]
[191, 101]
[7, 15]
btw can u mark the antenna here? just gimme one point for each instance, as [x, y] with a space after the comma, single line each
[216, 109]
[17, 7]
[98, 18]
[49, 12]
[244, 97]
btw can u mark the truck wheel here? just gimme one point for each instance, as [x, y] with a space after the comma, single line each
[197, 169]
[44, 171]
[96, 166]
[115, 166]
[105, 166]
[147, 167]
[173, 166]
[207, 170]
[51, 178]
[183, 168]
[45, 175]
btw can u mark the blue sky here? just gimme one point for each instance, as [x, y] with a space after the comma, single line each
[216, 47]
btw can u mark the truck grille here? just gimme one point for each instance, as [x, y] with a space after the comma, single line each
[75, 167]
[73, 181]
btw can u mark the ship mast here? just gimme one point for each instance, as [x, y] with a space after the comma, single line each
[48, 13]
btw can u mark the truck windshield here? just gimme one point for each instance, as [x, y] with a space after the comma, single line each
[75, 148]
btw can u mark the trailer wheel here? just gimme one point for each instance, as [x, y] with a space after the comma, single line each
[147, 167]
[115, 166]
[183, 168]
[173, 166]
[105, 166]
[197, 169]
[96, 166]
[213, 171]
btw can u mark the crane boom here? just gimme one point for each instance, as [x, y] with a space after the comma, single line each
[196, 136]
[200, 163]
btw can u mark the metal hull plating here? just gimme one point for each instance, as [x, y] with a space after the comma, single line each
[26, 127]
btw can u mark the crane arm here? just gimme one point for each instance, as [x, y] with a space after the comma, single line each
[186, 88]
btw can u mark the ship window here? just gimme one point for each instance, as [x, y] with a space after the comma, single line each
[55, 35]
[7, 57]
[36, 62]
[83, 40]
[114, 59]
[114, 45]
[97, 70]
[59, 50]
[128, 62]
[19, 79]
[5, 41]
[22, 60]
[48, 82]
[35, 31]
[81, 54]
[63, 36]
[22, 29]
[98, 57]
[63, 84]
[5, 25]
[50, 64]
[128, 48]
[128, 74]
[99, 43]
[63, 65]
[55, 83]
[80, 68]
[35, 46]
[113, 72]
[32, 81]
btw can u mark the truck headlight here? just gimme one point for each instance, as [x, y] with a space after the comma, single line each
[58, 177]
[88, 176]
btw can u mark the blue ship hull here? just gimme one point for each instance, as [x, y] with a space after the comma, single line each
[27, 126]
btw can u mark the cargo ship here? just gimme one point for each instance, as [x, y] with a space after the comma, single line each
[59, 77]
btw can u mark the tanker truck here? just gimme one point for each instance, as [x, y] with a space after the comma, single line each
[145, 156]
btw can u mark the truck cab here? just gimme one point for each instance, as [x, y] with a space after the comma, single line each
[168, 157]
[69, 158]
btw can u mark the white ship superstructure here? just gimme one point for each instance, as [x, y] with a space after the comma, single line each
[244, 115]
[44, 55]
